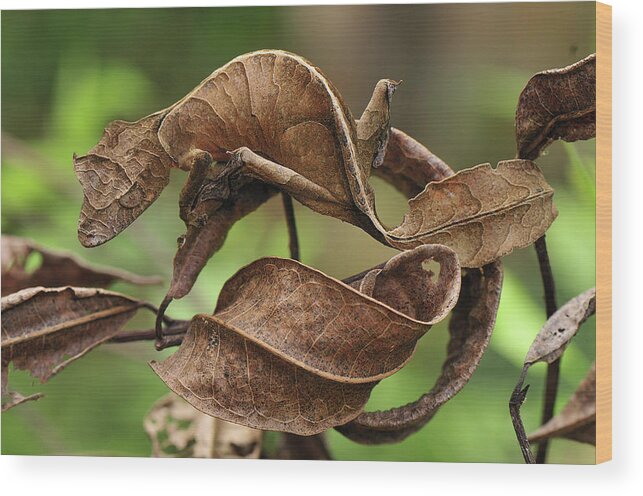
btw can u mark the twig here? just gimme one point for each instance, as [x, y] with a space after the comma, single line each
[357, 277]
[292, 226]
[517, 398]
[553, 369]
[168, 342]
[160, 318]
[178, 327]
[547, 276]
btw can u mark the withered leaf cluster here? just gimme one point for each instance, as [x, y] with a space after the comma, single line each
[289, 348]
[51, 312]
[578, 419]
[45, 329]
[55, 268]
[557, 104]
[273, 117]
[270, 121]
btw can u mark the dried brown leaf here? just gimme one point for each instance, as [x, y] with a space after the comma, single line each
[56, 268]
[285, 124]
[177, 429]
[291, 349]
[45, 329]
[577, 420]
[557, 104]
[409, 166]
[560, 328]
[482, 213]
[470, 328]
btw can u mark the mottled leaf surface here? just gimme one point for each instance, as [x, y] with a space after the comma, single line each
[557, 104]
[291, 349]
[54, 268]
[470, 329]
[577, 420]
[482, 213]
[560, 328]
[409, 166]
[45, 329]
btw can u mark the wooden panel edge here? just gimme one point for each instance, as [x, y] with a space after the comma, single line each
[603, 232]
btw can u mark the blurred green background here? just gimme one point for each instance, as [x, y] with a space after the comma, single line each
[67, 73]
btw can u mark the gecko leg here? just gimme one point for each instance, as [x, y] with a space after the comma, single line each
[198, 162]
[299, 187]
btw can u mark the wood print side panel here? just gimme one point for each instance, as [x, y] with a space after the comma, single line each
[604, 233]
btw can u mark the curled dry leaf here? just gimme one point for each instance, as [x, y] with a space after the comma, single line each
[471, 322]
[548, 346]
[577, 420]
[291, 349]
[409, 166]
[283, 123]
[56, 268]
[557, 104]
[560, 328]
[481, 213]
[470, 329]
[177, 429]
[45, 329]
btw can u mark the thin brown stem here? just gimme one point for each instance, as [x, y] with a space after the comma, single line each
[160, 318]
[168, 342]
[178, 327]
[517, 398]
[553, 369]
[357, 277]
[547, 276]
[292, 226]
[551, 392]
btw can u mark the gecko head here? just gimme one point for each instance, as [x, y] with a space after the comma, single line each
[121, 176]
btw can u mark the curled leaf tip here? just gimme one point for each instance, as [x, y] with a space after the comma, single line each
[291, 349]
[557, 104]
